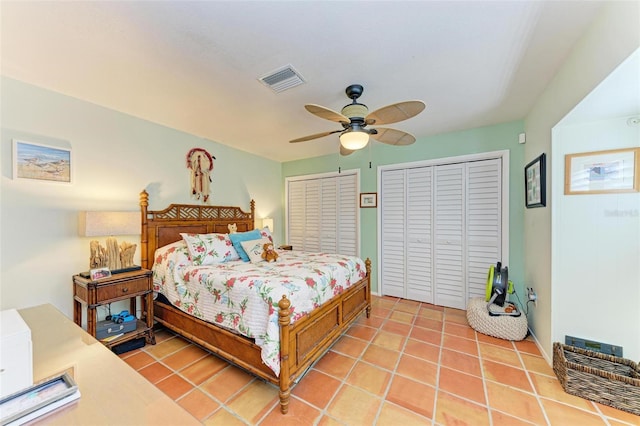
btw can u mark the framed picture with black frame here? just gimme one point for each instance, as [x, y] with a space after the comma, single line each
[535, 183]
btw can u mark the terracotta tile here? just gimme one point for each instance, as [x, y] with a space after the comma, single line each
[126, 355]
[417, 369]
[201, 370]
[174, 386]
[422, 350]
[386, 301]
[428, 323]
[433, 307]
[223, 417]
[507, 344]
[335, 365]
[537, 364]
[299, 413]
[254, 401]
[381, 357]
[498, 354]
[377, 311]
[514, 402]
[316, 388]
[426, 335]
[528, 346]
[461, 384]
[459, 330]
[430, 313]
[161, 335]
[362, 332]
[198, 404]
[329, 421]
[614, 413]
[139, 360]
[227, 383]
[460, 361]
[350, 346]
[402, 317]
[412, 395]
[460, 344]
[369, 378]
[167, 347]
[154, 372]
[506, 375]
[550, 387]
[451, 410]
[392, 415]
[395, 342]
[559, 414]
[353, 406]
[396, 327]
[372, 321]
[184, 357]
[406, 305]
[499, 418]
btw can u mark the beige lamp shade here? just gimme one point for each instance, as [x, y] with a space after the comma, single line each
[99, 224]
[268, 222]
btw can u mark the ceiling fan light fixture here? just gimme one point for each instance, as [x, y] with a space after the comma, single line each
[354, 139]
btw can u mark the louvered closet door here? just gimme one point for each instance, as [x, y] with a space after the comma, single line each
[418, 235]
[322, 214]
[347, 215]
[392, 228]
[449, 223]
[484, 222]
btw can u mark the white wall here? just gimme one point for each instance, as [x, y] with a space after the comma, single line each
[611, 38]
[596, 249]
[115, 156]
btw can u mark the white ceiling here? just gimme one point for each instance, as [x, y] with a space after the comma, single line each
[194, 66]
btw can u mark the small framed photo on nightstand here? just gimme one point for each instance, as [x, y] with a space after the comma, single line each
[99, 273]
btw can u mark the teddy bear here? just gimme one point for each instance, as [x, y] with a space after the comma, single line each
[233, 228]
[268, 252]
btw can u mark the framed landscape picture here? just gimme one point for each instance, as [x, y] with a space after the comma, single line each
[602, 172]
[41, 162]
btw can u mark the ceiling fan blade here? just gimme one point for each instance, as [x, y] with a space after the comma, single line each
[344, 151]
[395, 112]
[393, 137]
[316, 136]
[327, 114]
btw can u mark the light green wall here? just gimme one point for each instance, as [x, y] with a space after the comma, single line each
[115, 156]
[484, 139]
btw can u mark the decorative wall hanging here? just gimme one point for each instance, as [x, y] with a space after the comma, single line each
[602, 172]
[201, 164]
[41, 162]
[535, 183]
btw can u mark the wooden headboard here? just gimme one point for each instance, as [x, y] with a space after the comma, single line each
[163, 227]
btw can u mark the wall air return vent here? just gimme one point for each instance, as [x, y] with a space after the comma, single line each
[282, 79]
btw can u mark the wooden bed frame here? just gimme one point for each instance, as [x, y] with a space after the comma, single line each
[301, 343]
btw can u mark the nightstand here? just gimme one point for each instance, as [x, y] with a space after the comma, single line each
[126, 285]
[286, 247]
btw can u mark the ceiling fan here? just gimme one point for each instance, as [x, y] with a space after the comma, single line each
[355, 119]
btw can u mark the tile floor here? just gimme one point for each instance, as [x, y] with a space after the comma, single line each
[409, 364]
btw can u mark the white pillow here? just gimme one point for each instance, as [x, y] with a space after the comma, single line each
[266, 233]
[254, 248]
[207, 249]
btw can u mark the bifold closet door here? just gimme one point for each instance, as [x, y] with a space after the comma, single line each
[406, 263]
[449, 233]
[322, 214]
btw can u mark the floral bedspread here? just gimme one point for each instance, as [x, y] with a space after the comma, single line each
[244, 296]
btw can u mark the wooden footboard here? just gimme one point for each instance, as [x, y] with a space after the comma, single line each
[301, 343]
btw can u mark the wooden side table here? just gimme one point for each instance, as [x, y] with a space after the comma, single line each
[126, 285]
[286, 247]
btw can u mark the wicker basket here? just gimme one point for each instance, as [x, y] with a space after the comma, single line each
[602, 378]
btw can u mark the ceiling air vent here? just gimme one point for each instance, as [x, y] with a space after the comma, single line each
[282, 79]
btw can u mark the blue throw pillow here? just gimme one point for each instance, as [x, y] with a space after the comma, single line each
[238, 237]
